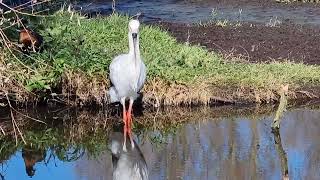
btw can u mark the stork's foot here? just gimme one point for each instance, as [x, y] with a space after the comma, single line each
[125, 132]
[131, 140]
[124, 147]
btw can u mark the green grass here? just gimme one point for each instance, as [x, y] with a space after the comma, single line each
[104, 38]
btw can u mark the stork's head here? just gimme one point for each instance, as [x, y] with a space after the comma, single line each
[134, 28]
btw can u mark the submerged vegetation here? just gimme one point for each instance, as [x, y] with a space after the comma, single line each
[73, 67]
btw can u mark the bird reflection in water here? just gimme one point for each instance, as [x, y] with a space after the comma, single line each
[127, 165]
[31, 157]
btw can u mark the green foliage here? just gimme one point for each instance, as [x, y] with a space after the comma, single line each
[88, 45]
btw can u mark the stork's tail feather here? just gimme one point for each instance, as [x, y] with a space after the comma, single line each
[113, 95]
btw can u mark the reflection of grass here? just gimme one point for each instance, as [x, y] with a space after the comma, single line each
[79, 51]
[61, 145]
[88, 132]
[69, 139]
[7, 148]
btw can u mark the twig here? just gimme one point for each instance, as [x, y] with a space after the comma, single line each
[32, 4]
[13, 24]
[113, 6]
[15, 132]
[37, 120]
[248, 55]
[19, 12]
[21, 5]
[14, 123]
[45, 10]
[2, 131]
[188, 37]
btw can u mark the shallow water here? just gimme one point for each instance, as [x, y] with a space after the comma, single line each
[195, 11]
[237, 147]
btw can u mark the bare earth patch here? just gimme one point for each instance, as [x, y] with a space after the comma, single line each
[254, 43]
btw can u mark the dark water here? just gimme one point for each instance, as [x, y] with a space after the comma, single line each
[188, 11]
[236, 147]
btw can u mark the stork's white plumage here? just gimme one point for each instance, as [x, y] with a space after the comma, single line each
[128, 75]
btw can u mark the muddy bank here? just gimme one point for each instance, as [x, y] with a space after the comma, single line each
[90, 120]
[253, 43]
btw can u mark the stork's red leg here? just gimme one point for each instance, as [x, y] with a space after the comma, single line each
[129, 116]
[125, 128]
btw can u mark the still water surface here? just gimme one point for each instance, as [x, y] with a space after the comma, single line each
[236, 147]
[194, 11]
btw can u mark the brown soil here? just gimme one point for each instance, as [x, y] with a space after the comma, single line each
[254, 43]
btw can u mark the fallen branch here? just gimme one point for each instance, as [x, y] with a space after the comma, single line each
[282, 107]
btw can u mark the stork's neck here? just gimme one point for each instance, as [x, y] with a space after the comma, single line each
[134, 49]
